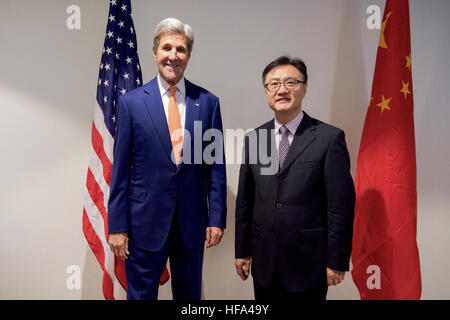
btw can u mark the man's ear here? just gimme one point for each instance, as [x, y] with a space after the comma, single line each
[154, 53]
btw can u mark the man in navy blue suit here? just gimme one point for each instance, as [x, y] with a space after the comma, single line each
[166, 199]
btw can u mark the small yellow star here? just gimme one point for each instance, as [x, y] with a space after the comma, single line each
[382, 42]
[408, 62]
[405, 89]
[370, 102]
[384, 104]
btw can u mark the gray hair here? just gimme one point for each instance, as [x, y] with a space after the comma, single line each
[173, 25]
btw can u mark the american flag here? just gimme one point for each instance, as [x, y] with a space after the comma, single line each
[119, 73]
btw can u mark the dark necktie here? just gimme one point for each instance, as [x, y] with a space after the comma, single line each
[284, 145]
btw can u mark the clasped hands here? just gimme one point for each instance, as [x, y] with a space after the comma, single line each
[334, 277]
[118, 242]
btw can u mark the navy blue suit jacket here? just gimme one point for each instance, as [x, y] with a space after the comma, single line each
[147, 187]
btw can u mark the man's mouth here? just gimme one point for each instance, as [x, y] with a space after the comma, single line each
[173, 67]
[283, 100]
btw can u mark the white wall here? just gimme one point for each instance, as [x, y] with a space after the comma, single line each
[48, 80]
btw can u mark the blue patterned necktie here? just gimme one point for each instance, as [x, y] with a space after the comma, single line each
[284, 145]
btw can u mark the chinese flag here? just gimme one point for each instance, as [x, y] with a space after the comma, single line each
[385, 257]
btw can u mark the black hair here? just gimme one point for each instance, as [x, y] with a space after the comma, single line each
[286, 60]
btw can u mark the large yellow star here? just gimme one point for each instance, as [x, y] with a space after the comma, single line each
[384, 104]
[405, 89]
[382, 42]
[408, 62]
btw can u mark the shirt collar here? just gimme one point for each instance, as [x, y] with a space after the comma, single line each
[291, 125]
[164, 86]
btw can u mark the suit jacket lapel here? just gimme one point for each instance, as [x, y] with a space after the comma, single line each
[303, 137]
[155, 109]
[193, 108]
[271, 144]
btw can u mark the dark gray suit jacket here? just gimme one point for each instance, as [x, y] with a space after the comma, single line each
[301, 217]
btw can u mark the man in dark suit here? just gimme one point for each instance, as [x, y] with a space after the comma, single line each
[166, 200]
[293, 225]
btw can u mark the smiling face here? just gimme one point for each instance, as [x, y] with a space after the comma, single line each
[286, 104]
[172, 57]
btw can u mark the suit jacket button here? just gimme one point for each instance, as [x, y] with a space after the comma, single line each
[279, 205]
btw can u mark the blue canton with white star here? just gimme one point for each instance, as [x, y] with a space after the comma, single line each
[120, 71]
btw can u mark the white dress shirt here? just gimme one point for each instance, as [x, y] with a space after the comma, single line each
[291, 126]
[180, 96]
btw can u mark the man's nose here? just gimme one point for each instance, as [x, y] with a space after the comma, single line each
[282, 89]
[173, 54]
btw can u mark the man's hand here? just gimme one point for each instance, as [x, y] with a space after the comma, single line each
[334, 277]
[243, 267]
[213, 236]
[118, 242]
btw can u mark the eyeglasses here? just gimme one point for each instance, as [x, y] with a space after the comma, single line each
[289, 85]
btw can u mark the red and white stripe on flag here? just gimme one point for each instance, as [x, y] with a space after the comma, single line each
[95, 219]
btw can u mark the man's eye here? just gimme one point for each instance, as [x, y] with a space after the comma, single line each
[291, 83]
[274, 84]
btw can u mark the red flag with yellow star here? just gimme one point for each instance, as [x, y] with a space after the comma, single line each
[385, 256]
